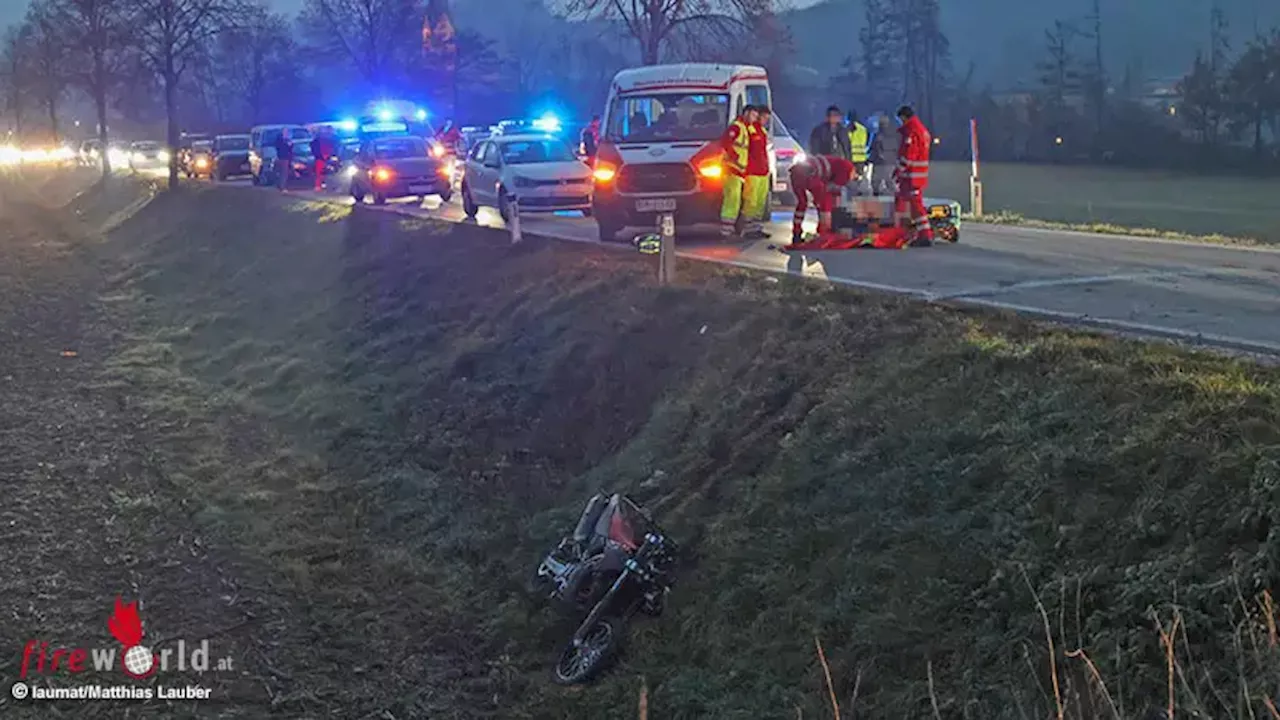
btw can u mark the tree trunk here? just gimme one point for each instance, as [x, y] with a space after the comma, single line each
[649, 48]
[171, 111]
[52, 104]
[100, 104]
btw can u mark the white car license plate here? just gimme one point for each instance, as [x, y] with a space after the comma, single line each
[779, 187]
[656, 205]
[419, 188]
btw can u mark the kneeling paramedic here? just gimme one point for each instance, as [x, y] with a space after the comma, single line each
[823, 178]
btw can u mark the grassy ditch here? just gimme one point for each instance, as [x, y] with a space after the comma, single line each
[398, 416]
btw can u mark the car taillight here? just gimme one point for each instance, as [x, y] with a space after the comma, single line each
[382, 175]
[604, 173]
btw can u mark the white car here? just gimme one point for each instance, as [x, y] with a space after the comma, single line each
[786, 152]
[147, 155]
[540, 171]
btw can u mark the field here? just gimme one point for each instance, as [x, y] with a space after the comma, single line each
[358, 431]
[1230, 206]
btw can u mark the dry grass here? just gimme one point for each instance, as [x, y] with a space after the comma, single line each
[423, 408]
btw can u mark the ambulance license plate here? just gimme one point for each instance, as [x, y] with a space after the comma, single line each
[779, 187]
[656, 205]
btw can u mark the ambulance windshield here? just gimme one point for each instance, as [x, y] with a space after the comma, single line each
[668, 117]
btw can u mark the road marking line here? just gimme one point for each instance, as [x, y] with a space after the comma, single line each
[1080, 319]
[1010, 229]
[1069, 281]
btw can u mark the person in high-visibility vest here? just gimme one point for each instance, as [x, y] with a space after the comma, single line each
[858, 140]
[736, 144]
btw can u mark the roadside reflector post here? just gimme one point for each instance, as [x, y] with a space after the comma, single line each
[975, 181]
[516, 235]
[667, 249]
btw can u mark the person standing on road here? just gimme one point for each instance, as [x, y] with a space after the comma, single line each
[884, 158]
[913, 176]
[322, 150]
[284, 160]
[831, 138]
[590, 140]
[858, 149]
[755, 202]
[735, 145]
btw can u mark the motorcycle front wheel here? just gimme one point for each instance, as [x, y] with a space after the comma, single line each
[580, 664]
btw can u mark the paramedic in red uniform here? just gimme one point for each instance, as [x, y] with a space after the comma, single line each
[913, 176]
[824, 178]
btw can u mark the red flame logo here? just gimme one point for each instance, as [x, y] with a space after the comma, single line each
[126, 626]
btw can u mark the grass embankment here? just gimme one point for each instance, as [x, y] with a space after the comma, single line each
[1120, 201]
[401, 416]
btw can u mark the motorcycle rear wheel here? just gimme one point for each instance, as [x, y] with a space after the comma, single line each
[578, 665]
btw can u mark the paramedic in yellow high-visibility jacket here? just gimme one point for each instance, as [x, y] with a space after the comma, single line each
[736, 145]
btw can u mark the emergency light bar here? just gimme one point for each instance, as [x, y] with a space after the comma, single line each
[384, 127]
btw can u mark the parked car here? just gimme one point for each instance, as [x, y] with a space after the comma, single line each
[230, 156]
[197, 160]
[540, 170]
[147, 155]
[262, 148]
[398, 166]
[786, 152]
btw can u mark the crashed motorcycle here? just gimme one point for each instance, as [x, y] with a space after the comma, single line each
[616, 563]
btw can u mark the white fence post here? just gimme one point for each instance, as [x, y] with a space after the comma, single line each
[667, 249]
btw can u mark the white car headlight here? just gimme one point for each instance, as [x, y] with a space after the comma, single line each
[799, 158]
[163, 156]
[139, 157]
[350, 171]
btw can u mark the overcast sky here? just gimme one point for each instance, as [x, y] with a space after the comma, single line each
[12, 10]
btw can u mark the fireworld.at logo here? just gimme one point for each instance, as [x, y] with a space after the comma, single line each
[136, 660]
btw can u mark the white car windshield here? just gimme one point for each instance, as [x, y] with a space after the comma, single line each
[233, 143]
[524, 152]
[400, 148]
[668, 117]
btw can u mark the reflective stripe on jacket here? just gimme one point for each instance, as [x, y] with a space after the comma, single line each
[858, 142]
[913, 154]
[736, 146]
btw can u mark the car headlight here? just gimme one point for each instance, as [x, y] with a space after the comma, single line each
[139, 157]
[523, 182]
[799, 158]
[349, 171]
[162, 156]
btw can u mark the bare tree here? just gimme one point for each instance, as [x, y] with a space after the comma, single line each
[49, 67]
[654, 24]
[16, 59]
[379, 39]
[170, 35]
[93, 35]
[252, 64]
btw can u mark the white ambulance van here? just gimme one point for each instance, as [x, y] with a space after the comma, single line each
[659, 150]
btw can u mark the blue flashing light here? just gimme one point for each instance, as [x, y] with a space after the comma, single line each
[348, 125]
[385, 115]
[547, 123]
[421, 115]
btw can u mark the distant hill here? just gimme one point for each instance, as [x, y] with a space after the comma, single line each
[1005, 38]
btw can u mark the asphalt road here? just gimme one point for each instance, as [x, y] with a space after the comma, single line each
[1207, 294]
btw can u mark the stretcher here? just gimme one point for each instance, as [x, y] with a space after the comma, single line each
[857, 221]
